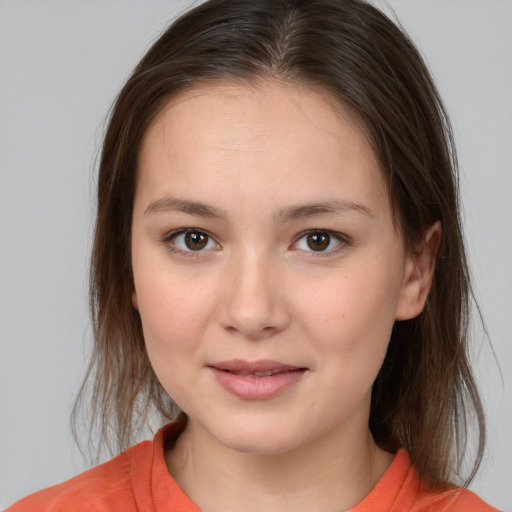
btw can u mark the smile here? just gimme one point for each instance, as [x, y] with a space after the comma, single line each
[267, 373]
[260, 380]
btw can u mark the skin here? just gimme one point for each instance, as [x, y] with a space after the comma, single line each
[257, 290]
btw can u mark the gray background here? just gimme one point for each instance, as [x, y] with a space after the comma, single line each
[61, 63]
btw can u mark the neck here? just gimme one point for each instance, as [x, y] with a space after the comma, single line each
[333, 473]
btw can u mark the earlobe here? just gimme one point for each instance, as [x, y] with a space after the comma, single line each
[135, 302]
[419, 272]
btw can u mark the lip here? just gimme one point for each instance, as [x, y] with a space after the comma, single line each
[248, 380]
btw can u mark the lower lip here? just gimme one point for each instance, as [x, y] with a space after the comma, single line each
[250, 387]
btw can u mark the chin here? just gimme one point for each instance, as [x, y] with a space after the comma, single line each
[264, 439]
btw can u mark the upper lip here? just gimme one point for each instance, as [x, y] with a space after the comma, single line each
[263, 365]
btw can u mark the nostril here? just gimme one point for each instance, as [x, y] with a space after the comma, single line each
[252, 306]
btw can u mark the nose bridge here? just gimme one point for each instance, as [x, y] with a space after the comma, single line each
[253, 305]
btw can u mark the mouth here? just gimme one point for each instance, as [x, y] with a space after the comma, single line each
[258, 380]
[263, 368]
[267, 373]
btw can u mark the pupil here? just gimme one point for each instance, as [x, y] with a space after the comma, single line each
[196, 241]
[318, 241]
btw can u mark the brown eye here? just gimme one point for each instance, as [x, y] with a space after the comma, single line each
[191, 240]
[318, 241]
[322, 242]
[195, 241]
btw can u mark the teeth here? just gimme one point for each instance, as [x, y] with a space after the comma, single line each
[264, 374]
[267, 373]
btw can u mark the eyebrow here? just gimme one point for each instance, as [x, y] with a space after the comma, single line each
[331, 207]
[172, 204]
[201, 209]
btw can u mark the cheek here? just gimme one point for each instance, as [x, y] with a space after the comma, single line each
[174, 318]
[351, 315]
[174, 311]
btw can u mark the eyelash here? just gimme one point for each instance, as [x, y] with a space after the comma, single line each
[342, 241]
[168, 239]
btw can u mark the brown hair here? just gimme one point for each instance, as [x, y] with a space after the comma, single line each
[424, 394]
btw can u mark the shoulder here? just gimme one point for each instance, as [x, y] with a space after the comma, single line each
[455, 500]
[449, 499]
[108, 486]
[402, 489]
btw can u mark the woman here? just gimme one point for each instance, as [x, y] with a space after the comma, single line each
[278, 249]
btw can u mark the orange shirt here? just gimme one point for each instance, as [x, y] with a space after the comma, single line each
[138, 481]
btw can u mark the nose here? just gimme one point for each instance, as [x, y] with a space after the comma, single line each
[254, 304]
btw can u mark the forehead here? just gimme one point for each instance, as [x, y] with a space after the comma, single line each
[258, 106]
[267, 135]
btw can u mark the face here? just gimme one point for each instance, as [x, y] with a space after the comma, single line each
[268, 270]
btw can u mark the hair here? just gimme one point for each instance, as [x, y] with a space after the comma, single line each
[424, 397]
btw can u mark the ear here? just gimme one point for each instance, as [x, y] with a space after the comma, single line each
[418, 274]
[135, 301]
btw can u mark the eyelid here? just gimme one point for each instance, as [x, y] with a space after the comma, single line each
[168, 237]
[342, 239]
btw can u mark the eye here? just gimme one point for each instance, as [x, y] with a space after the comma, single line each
[320, 241]
[191, 240]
